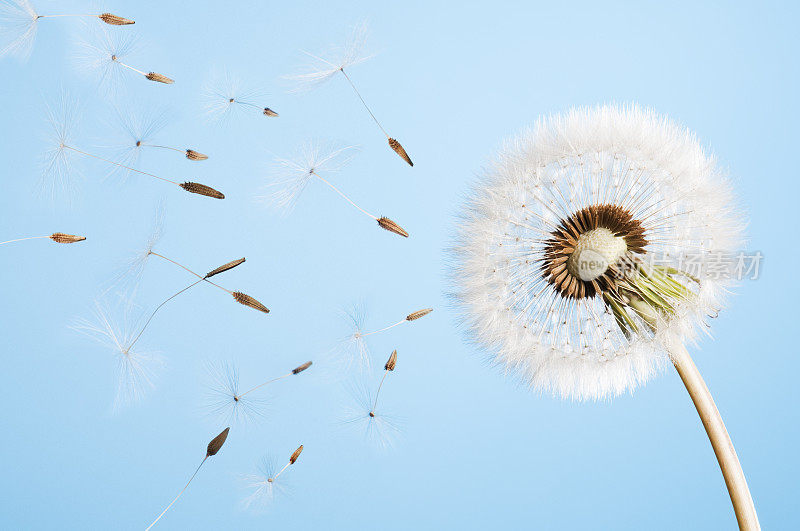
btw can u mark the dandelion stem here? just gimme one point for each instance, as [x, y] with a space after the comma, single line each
[55, 16]
[118, 164]
[375, 403]
[363, 102]
[24, 239]
[281, 471]
[190, 271]
[341, 194]
[178, 496]
[265, 383]
[129, 66]
[720, 440]
[156, 310]
[384, 329]
[165, 147]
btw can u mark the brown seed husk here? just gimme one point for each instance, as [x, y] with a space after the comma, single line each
[217, 442]
[197, 188]
[301, 368]
[60, 237]
[270, 112]
[223, 268]
[395, 145]
[390, 364]
[247, 300]
[295, 455]
[161, 78]
[195, 155]
[114, 20]
[391, 226]
[419, 313]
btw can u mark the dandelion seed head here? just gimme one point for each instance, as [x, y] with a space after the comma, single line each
[18, 24]
[116, 327]
[224, 400]
[326, 65]
[290, 176]
[617, 167]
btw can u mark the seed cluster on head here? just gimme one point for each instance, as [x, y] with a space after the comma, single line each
[583, 255]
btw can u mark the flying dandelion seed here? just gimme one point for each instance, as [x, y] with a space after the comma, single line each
[238, 296]
[225, 95]
[136, 134]
[221, 269]
[325, 68]
[378, 426]
[133, 133]
[19, 22]
[115, 328]
[561, 252]
[225, 399]
[104, 54]
[228, 402]
[354, 349]
[291, 176]
[58, 237]
[213, 447]
[265, 486]
[58, 172]
[268, 482]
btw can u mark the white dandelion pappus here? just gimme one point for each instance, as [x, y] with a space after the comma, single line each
[18, 25]
[58, 174]
[102, 54]
[353, 349]
[377, 425]
[555, 268]
[326, 66]
[131, 272]
[134, 133]
[226, 401]
[116, 329]
[265, 487]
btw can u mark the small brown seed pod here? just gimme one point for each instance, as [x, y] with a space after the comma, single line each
[301, 368]
[419, 313]
[247, 300]
[295, 455]
[391, 226]
[161, 78]
[197, 188]
[217, 442]
[114, 20]
[195, 155]
[270, 112]
[223, 268]
[392, 362]
[60, 237]
[395, 145]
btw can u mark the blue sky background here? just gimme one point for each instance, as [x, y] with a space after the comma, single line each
[477, 450]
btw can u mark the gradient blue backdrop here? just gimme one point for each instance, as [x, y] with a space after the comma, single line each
[477, 450]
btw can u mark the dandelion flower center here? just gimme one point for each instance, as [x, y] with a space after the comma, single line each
[596, 251]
